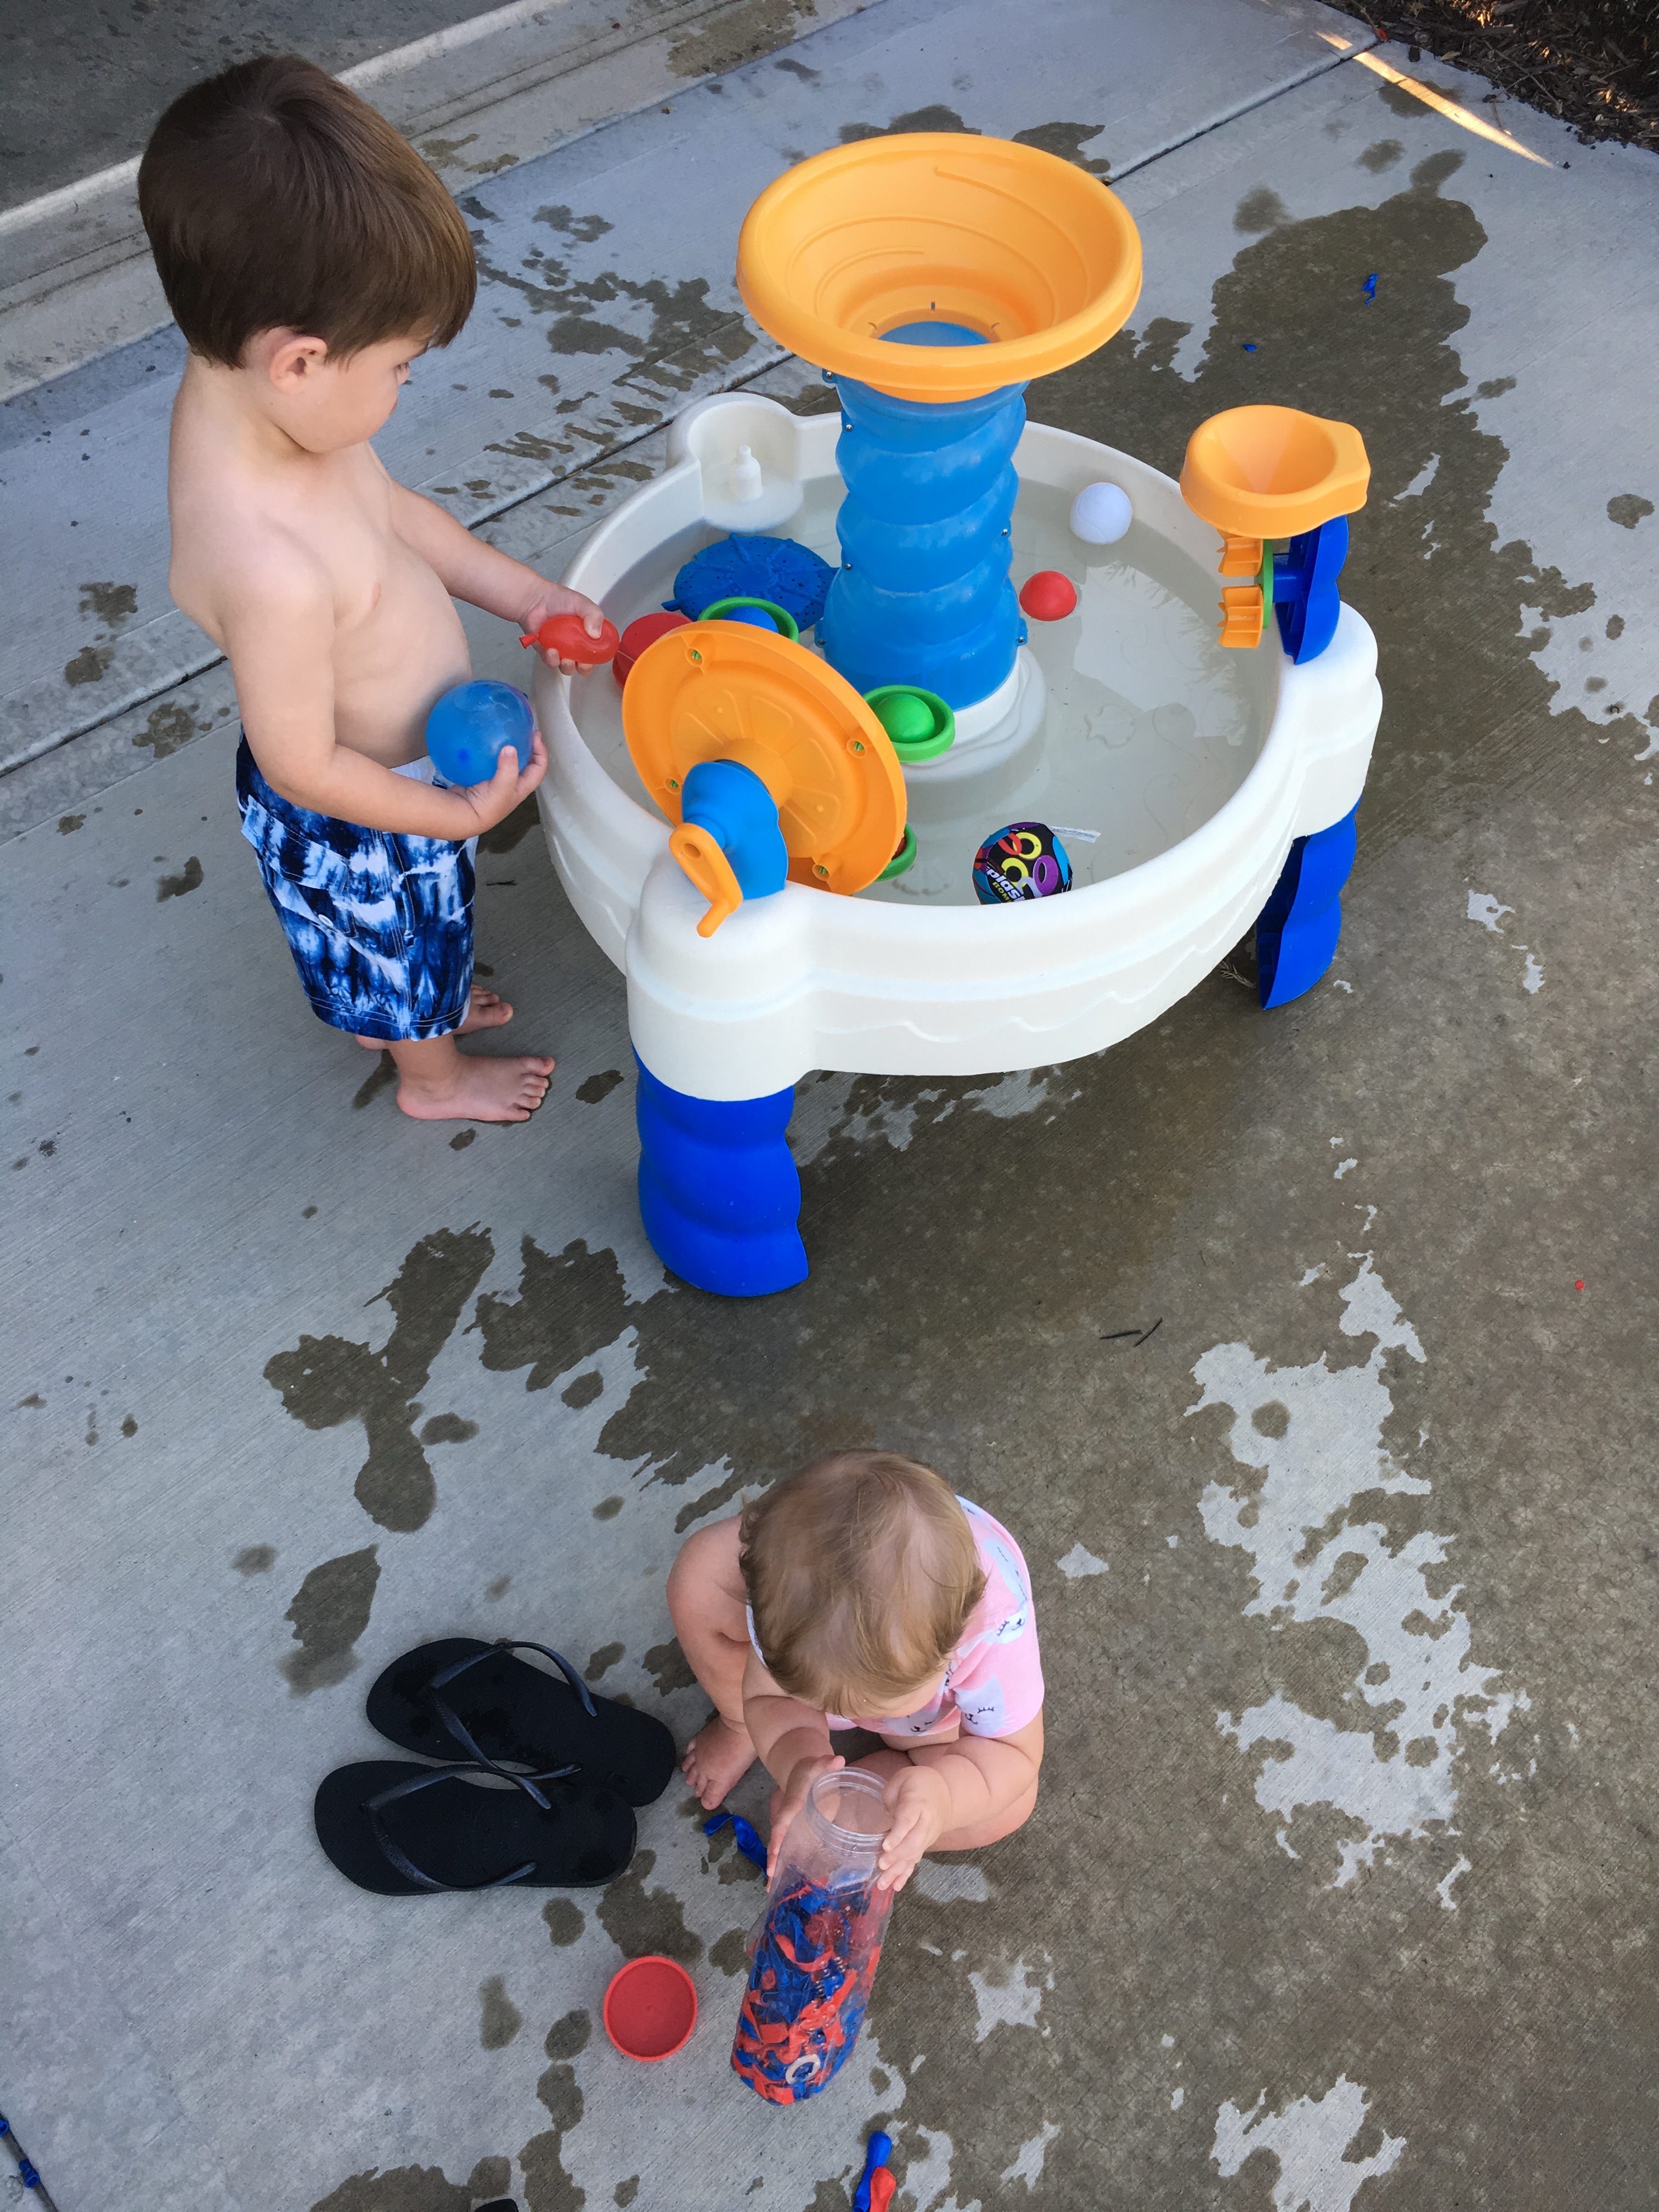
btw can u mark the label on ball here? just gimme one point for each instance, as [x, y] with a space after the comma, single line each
[1026, 861]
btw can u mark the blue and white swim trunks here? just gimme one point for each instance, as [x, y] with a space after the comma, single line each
[379, 922]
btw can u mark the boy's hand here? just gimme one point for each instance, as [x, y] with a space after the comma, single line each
[919, 1800]
[790, 1799]
[560, 600]
[494, 801]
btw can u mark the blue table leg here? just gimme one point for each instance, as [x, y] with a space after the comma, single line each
[1295, 932]
[720, 1193]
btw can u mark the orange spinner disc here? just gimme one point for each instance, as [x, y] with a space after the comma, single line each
[719, 690]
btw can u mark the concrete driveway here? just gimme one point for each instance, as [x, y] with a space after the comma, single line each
[1308, 1355]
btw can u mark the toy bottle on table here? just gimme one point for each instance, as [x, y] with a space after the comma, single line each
[815, 1958]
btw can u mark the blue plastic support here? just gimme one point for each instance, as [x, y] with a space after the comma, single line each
[1305, 589]
[1296, 931]
[923, 595]
[720, 1193]
[740, 814]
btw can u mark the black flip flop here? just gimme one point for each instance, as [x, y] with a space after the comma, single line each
[462, 1698]
[406, 1831]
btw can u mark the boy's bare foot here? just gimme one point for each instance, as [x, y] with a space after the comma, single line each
[716, 1760]
[476, 1089]
[485, 1010]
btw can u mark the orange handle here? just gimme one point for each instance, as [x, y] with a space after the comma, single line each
[707, 866]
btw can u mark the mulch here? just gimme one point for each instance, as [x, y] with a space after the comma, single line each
[1595, 63]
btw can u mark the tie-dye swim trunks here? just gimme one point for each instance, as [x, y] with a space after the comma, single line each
[379, 922]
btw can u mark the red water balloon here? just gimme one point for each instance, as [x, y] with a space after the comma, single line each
[568, 635]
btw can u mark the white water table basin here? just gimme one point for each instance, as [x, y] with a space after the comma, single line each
[1196, 767]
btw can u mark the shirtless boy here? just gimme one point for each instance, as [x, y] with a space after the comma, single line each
[309, 257]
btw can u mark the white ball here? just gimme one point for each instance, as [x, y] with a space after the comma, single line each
[1101, 514]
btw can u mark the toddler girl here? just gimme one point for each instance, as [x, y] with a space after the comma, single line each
[861, 1594]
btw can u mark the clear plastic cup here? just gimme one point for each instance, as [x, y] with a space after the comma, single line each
[816, 1953]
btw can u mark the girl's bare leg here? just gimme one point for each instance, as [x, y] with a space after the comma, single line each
[706, 1601]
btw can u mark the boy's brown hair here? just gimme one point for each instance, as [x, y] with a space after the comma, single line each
[275, 199]
[862, 1574]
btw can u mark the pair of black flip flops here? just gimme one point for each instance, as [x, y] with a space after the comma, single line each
[538, 1788]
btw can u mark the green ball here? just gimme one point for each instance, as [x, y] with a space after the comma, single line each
[907, 720]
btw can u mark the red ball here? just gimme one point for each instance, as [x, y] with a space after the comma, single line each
[636, 638]
[1048, 596]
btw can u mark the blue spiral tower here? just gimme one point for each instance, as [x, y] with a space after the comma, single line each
[923, 595]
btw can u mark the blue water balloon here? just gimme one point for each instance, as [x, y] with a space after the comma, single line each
[467, 728]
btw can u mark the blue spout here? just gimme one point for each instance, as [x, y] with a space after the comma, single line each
[740, 814]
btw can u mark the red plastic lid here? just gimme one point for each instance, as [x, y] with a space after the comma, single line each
[1048, 596]
[638, 634]
[651, 2009]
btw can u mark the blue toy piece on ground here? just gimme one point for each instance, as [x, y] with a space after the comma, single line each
[719, 1192]
[1296, 931]
[747, 1840]
[468, 727]
[742, 568]
[877, 2153]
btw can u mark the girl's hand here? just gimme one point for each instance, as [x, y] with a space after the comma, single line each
[919, 1801]
[560, 600]
[789, 1799]
[494, 801]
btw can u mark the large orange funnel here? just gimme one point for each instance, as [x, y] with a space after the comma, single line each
[1030, 253]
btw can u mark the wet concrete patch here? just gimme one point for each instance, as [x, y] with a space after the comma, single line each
[382, 1076]
[1068, 140]
[743, 34]
[1448, 602]
[185, 879]
[417, 2189]
[330, 1612]
[641, 1921]
[1260, 210]
[324, 1381]
[166, 728]
[933, 117]
[500, 2019]
[564, 1921]
[548, 2185]
[596, 1087]
[569, 1305]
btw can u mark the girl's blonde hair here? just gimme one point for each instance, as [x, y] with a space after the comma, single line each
[862, 1574]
